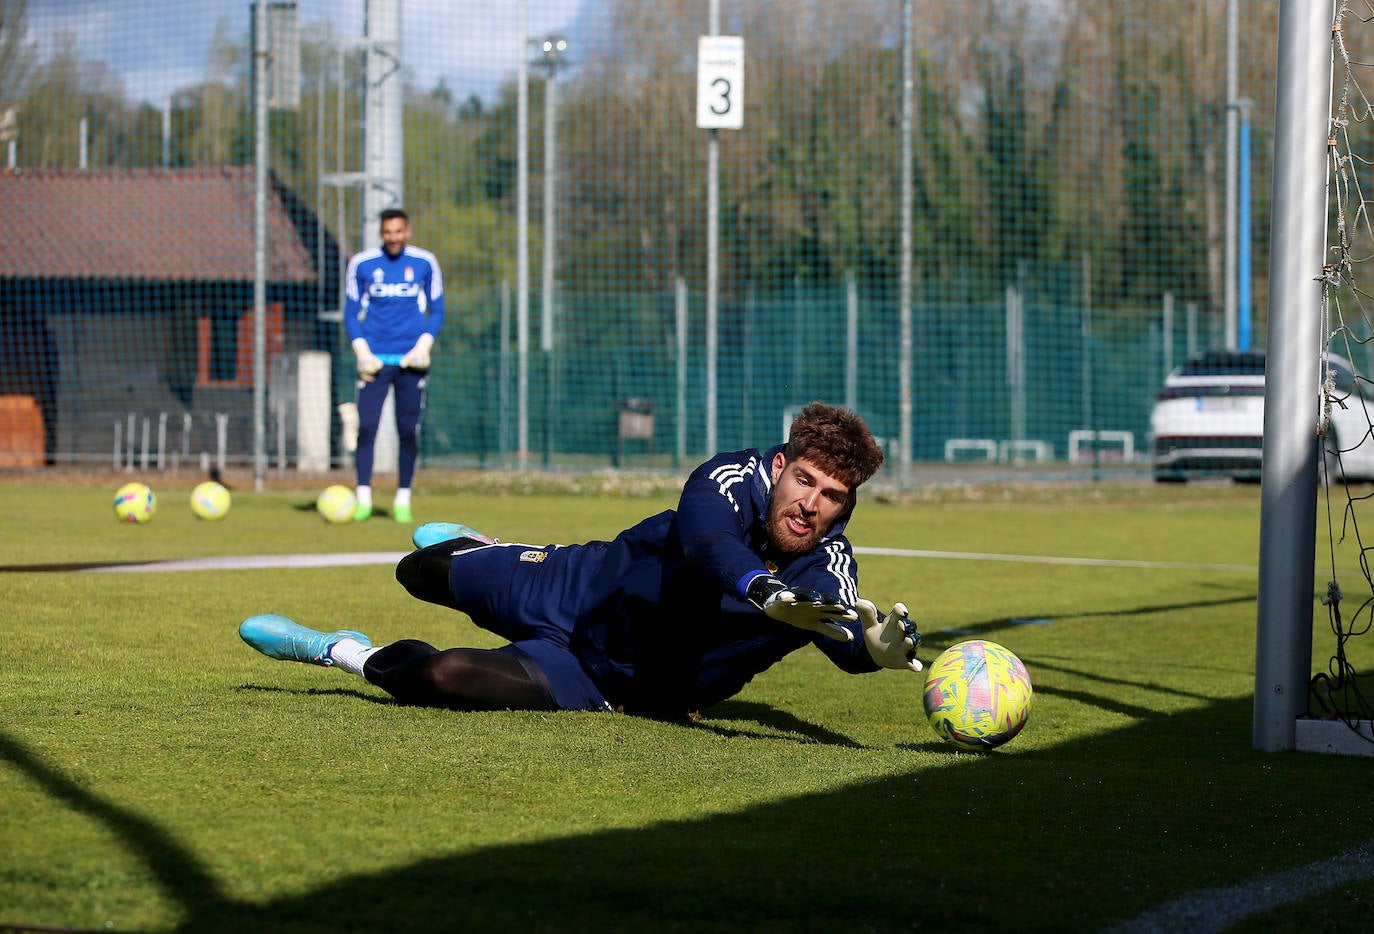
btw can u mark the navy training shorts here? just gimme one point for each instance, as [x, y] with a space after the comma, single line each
[526, 593]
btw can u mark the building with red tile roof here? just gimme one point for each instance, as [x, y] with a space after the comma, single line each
[126, 299]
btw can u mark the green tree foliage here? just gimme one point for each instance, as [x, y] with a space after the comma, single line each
[1046, 135]
[945, 232]
[1015, 183]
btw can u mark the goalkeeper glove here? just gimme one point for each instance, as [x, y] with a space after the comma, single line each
[417, 358]
[891, 639]
[368, 364]
[805, 609]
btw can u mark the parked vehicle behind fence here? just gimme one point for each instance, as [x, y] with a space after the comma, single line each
[1208, 420]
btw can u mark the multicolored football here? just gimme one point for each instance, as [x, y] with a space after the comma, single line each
[978, 695]
[210, 500]
[336, 503]
[135, 502]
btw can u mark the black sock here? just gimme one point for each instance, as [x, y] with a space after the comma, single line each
[416, 673]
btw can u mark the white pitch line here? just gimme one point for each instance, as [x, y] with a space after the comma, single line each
[1047, 559]
[251, 562]
[1214, 910]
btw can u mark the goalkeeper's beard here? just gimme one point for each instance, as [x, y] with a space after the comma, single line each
[781, 536]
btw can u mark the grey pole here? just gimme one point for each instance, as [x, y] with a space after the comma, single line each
[383, 130]
[680, 337]
[1086, 332]
[522, 246]
[383, 151]
[712, 259]
[1016, 364]
[851, 341]
[503, 383]
[167, 132]
[1288, 507]
[1167, 332]
[904, 404]
[552, 48]
[548, 285]
[260, 155]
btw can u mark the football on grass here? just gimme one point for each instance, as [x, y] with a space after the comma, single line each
[135, 502]
[210, 500]
[336, 503]
[978, 695]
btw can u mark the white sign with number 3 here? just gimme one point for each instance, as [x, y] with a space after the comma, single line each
[720, 82]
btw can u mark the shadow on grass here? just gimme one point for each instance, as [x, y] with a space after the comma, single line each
[776, 724]
[72, 566]
[177, 873]
[775, 721]
[372, 698]
[1067, 838]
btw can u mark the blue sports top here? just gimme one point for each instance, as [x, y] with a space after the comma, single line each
[657, 616]
[391, 301]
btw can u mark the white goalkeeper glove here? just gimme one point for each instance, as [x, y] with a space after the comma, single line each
[368, 364]
[417, 358]
[891, 639]
[805, 609]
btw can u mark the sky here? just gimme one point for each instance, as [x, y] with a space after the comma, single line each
[158, 46]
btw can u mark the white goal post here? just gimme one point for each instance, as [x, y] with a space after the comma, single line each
[1289, 474]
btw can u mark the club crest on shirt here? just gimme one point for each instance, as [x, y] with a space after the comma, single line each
[533, 557]
[410, 274]
[771, 566]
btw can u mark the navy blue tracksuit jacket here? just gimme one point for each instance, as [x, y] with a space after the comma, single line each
[657, 616]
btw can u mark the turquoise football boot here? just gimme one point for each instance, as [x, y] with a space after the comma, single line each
[278, 637]
[432, 533]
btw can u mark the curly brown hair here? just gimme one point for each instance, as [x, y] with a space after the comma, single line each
[837, 441]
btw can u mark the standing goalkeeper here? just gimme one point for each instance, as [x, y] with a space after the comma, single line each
[672, 616]
[393, 310]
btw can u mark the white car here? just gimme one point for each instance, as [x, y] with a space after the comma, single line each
[1208, 419]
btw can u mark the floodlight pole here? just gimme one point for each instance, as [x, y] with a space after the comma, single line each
[522, 247]
[720, 105]
[383, 107]
[551, 52]
[260, 156]
[1288, 479]
[907, 276]
[712, 259]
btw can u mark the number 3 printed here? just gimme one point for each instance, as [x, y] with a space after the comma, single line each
[722, 86]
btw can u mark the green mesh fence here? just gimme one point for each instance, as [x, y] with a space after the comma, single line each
[1066, 245]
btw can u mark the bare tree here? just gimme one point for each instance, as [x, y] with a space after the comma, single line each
[16, 51]
[216, 106]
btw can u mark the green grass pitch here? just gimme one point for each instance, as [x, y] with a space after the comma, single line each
[158, 775]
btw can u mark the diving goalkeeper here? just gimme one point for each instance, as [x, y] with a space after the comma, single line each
[675, 614]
